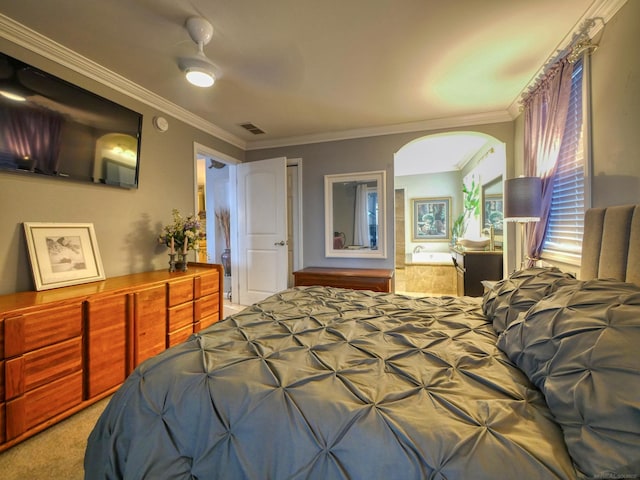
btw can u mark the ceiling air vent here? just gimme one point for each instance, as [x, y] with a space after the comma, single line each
[252, 128]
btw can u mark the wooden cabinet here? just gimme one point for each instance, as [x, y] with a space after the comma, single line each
[64, 349]
[149, 323]
[376, 279]
[472, 267]
[107, 332]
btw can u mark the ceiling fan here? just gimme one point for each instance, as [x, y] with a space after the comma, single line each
[199, 70]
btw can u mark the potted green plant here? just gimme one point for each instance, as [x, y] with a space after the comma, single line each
[470, 208]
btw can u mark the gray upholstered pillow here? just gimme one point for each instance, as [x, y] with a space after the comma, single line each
[519, 291]
[581, 347]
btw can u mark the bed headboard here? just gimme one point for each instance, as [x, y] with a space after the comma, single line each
[611, 244]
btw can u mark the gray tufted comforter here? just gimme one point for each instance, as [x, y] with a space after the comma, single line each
[326, 383]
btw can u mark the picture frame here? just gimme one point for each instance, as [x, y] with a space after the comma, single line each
[63, 254]
[431, 219]
[493, 213]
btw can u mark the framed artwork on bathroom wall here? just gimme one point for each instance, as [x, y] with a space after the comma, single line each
[431, 219]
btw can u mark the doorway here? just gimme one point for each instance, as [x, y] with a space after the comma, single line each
[217, 204]
[215, 180]
[434, 168]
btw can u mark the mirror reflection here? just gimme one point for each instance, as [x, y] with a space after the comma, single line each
[354, 223]
[492, 207]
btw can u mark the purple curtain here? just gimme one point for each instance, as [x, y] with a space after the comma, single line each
[545, 110]
[34, 134]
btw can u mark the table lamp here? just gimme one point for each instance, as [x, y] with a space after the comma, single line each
[522, 204]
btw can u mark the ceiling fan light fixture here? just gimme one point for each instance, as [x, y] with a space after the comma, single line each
[198, 69]
[200, 77]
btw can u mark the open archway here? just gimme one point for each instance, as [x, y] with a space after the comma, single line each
[429, 173]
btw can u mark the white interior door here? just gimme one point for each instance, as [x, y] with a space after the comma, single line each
[262, 229]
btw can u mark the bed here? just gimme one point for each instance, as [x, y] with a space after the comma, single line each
[538, 379]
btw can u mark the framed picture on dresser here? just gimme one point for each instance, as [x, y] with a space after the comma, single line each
[63, 254]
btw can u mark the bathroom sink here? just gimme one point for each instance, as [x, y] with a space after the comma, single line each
[474, 243]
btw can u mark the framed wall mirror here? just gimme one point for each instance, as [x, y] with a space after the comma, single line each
[354, 206]
[492, 208]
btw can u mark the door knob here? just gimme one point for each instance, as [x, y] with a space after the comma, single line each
[281, 243]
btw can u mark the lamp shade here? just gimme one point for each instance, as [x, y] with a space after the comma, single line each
[522, 199]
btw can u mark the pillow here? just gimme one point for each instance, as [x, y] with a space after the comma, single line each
[518, 292]
[580, 347]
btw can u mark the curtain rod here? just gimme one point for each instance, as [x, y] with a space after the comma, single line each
[580, 43]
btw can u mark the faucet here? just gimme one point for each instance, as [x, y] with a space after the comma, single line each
[491, 231]
[419, 248]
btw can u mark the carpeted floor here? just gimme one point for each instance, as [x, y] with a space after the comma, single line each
[54, 454]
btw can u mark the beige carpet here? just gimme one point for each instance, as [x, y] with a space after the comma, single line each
[54, 454]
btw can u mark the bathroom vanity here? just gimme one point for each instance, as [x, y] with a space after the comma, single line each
[472, 267]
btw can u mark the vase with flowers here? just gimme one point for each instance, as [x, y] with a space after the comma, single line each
[223, 216]
[181, 236]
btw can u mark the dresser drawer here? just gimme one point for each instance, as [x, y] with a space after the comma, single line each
[180, 335]
[208, 284]
[180, 291]
[180, 316]
[39, 367]
[41, 404]
[30, 331]
[205, 322]
[206, 306]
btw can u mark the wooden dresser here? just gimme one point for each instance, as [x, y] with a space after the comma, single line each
[62, 350]
[376, 279]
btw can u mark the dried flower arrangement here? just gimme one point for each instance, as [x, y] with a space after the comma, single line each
[223, 216]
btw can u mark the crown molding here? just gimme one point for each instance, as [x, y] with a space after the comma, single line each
[37, 43]
[425, 125]
[27, 38]
[600, 9]
[30, 39]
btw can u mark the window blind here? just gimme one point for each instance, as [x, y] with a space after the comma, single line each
[566, 219]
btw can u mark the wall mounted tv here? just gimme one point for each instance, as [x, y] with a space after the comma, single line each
[51, 127]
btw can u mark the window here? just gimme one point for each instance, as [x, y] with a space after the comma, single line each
[563, 238]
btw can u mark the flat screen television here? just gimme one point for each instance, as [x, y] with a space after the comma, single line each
[49, 126]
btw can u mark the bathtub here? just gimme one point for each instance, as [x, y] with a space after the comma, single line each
[431, 258]
[430, 273]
